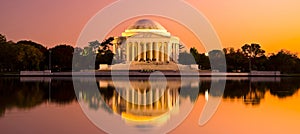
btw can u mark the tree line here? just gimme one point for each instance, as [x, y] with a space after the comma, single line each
[248, 57]
[29, 55]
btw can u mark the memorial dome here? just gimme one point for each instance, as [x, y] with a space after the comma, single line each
[146, 24]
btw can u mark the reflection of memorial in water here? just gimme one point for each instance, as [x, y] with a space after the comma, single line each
[143, 101]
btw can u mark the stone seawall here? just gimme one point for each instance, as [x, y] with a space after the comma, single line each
[133, 73]
[33, 73]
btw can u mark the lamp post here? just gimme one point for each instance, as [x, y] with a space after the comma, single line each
[49, 60]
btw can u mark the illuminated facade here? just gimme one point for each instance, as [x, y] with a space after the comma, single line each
[146, 40]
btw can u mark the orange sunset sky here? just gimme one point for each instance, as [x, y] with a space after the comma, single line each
[274, 24]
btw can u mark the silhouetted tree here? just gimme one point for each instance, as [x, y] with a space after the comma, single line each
[252, 52]
[29, 57]
[24, 55]
[44, 63]
[104, 55]
[201, 59]
[235, 59]
[8, 56]
[101, 47]
[61, 57]
[101, 52]
[285, 62]
[195, 53]
[204, 62]
[2, 39]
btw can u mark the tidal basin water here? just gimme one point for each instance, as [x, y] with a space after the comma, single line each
[51, 105]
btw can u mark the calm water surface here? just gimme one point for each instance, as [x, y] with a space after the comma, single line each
[50, 105]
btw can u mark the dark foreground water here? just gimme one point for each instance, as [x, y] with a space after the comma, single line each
[174, 105]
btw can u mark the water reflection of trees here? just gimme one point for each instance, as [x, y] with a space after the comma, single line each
[287, 87]
[252, 92]
[26, 95]
[62, 91]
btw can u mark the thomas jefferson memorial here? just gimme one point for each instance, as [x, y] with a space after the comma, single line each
[146, 40]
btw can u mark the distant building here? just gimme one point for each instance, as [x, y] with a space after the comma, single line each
[146, 40]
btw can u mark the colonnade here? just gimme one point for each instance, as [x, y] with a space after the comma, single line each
[152, 51]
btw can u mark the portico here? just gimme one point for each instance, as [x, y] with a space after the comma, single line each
[146, 40]
[151, 51]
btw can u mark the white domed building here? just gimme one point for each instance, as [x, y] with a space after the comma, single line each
[146, 40]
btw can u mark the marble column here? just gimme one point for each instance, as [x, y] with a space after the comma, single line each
[153, 50]
[173, 55]
[135, 57]
[177, 52]
[156, 51]
[140, 52]
[132, 51]
[169, 51]
[144, 52]
[162, 51]
[165, 51]
[150, 51]
[127, 51]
